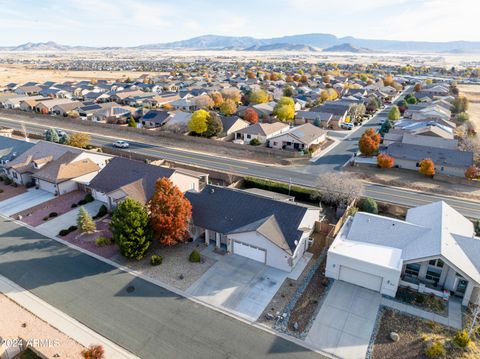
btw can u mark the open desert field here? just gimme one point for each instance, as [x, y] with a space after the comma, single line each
[472, 92]
[24, 73]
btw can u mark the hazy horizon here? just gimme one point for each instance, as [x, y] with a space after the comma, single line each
[132, 23]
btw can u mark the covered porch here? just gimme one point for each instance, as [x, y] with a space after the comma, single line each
[440, 278]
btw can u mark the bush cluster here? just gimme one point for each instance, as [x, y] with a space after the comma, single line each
[103, 241]
[102, 211]
[64, 232]
[195, 257]
[156, 260]
[461, 338]
[436, 350]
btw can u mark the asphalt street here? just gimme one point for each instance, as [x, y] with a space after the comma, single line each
[303, 175]
[144, 318]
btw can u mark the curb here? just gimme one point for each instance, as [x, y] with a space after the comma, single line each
[178, 292]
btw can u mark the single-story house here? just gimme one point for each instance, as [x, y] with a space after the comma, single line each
[266, 230]
[447, 161]
[122, 178]
[299, 138]
[155, 118]
[261, 131]
[434, 250]
[314, 117]
[231, 124]
[11, 148]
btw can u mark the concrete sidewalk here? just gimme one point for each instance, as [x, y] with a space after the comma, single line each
[453, 320]
[60, 320]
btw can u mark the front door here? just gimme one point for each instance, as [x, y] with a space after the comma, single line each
[461, 287]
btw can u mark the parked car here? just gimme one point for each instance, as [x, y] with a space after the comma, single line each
[121, 144]
[346, 126]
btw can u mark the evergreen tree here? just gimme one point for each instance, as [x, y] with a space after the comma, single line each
[85, 222]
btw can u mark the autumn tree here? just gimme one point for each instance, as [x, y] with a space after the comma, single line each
[232, 93]
[369, 142]
[251, 116]
[328, 95]
[288, 91]
[251, 74]
[131, 229]
[394, 114]
[427, 167]
[289, 78]
[388, 80]
[204, 102]
[471, 172]
[417, 87]
[93, 352]
[259, 96]
[132, 122]
[199, 122]
[228, 107]
[217, 99]
[79, 139]
[304, 79]
[170, 213]
[385, 161]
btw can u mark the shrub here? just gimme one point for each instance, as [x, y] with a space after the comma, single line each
[194, 257]
[156, 260]
[45, 218]
[88, 198]
[1, 190]
[368, 205]
[84, 222]
[461, 338]
[436, 350]
[63, 232]
[82, 202]
[72, 228]
[93, 352]
[53, 214]
[7, 181]
[102, 211]
[255, 142]
[420, 299]
[103, 241]
[30, 184]
[74, 205]
[1, 178]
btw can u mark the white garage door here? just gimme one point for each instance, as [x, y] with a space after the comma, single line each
[248, 251]
[360, 278]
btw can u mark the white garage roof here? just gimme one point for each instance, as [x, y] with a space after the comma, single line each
[387, 257]
[431, 230]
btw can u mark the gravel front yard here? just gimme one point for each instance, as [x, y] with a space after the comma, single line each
[175, 264]
[17, 322]
[10, 191]
[415, 336]
[62, 204]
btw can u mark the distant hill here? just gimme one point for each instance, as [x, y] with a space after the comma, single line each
[303, 42]
[282, 47]
[347, 48]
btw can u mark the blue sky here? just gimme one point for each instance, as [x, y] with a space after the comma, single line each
[128, 22]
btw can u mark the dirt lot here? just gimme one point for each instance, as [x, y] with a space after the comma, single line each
[25, 73]
[472, 92]
[17, 322]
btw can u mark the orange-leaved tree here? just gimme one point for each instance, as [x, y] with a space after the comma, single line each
[385, 161]
[251, 116]
[471, 172]
[427, 167]
[170, 213]
[369, 142]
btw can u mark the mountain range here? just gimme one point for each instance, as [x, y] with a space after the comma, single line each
[304, 42]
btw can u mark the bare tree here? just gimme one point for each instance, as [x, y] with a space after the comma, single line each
[338, 189]
[23, 130]
[471, 144]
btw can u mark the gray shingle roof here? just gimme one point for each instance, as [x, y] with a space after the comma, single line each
[440, 156]
[122, 171]
[225, 210]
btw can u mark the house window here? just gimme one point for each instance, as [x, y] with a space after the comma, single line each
[412, 269]
[248, 136]
[436, 263]
[433, 274]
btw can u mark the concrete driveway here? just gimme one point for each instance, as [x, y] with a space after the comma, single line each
[53, 226]
[345, 322]
[239, 285]
[24, 201]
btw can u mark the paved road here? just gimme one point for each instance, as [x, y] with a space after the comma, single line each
[304, 175]
[147, 320]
